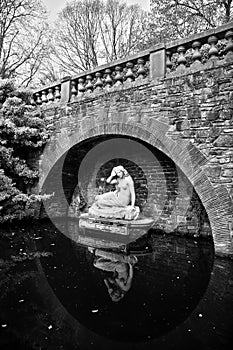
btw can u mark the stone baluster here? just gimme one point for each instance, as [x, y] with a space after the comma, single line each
[213, 51]
[57, 94]
[73, 90]
[229, 46]
[196, 45]
[81, 87]
[168, 61]
[89, 85]
[108, 79]
[99, 82]
[118, 77]
[129, 74]
[32, 100]
[44, 97]
[50, 96]
[38, 99]
[141, 70]
[181, 59]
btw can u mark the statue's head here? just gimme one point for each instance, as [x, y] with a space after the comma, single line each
[115, 293]
[120, 171]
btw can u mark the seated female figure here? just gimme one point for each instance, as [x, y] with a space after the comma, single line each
[121, 267]
[119, 203]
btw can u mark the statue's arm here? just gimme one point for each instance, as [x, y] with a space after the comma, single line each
[125, 286]
[109, 179]
[132, 192]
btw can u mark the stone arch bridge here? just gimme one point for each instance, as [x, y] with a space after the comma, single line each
[168, 112]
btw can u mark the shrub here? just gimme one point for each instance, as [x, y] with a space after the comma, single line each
[23, 134]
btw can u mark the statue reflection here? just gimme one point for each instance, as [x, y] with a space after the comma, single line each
[121, 268]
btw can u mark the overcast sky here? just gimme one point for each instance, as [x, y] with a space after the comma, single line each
[54, 6]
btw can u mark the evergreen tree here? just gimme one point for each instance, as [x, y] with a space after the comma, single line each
[23, 133]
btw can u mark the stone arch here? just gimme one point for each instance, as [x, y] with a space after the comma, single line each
[184, 154]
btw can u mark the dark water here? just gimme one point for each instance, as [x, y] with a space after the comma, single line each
[56, 294]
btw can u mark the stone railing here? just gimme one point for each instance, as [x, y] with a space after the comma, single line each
[178, 57]
[104, 77]
[200, 50]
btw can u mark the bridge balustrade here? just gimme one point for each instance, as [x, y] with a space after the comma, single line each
[198, 52]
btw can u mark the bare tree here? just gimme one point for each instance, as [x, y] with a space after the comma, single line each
[226, 8]
[93, 32]
[122, 29]
[76, 38]
[23, 39]
[180, 18]
[48, 73]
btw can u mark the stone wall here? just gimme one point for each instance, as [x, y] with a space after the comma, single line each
[202, 112]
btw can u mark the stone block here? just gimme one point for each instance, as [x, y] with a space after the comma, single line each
[226, 114]
[195, 123]
[228, 130]
[227, 173]
[228, 166]
[193, 113]
[224, 160]
[224, 141]
[213, 171]
[65, 90]
[202, 133]
[213, 114]
[188, 134]
[182, 125]
[157, 64]
[222, 180]
[181, 219]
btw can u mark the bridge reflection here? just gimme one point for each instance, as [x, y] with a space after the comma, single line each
[132, 294]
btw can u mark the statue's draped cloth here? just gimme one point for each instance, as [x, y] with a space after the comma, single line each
[112, 205]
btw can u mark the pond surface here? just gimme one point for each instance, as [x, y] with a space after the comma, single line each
[162, 292]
